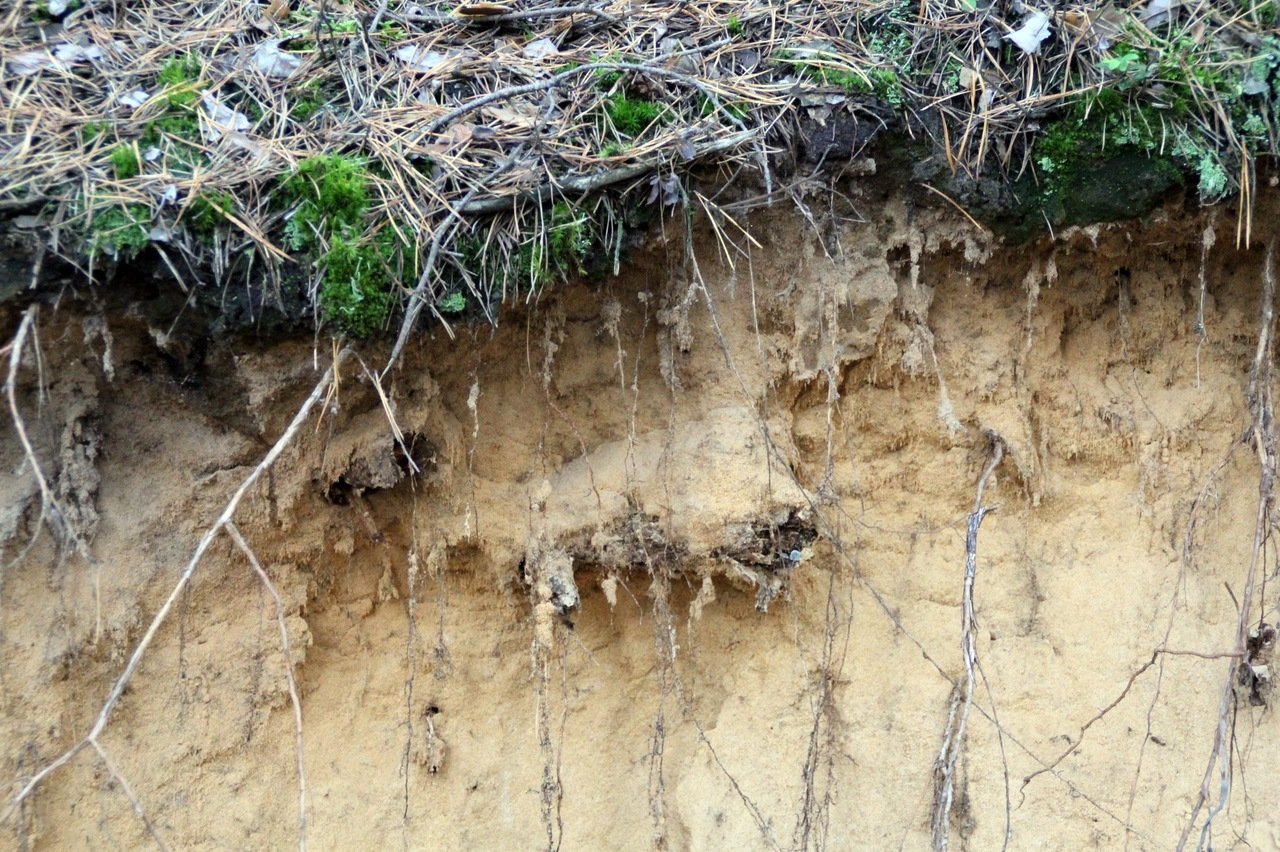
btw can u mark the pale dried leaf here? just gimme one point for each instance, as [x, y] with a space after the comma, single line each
[222, 120]
[482, 10]
[134, 99]
[540, 49]
[1035, 29]
[63, 56]
[420, 58]
[274, 62]
[1156, 13]
[516, 115]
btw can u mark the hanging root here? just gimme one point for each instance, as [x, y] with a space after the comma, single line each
[1262, 436]
[222, 524]
[287, 651]
[51, 510]
[953, 738]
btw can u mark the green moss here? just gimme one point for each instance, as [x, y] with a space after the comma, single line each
[177, 130]
[120, 230]
[359, 270]
[454, 303]
[93, 130]
[208, 211]
[1103, 163]
[184, 125]
[632, 116]
[606, 78]
[556, 254]
[332, 196]
[830, 71]
[308, 99]
[124, 162]
[40, 13]
[178, 133]
[733, 24]
[559, 249]
[354, 295]
[349, 26]
[736, 111]
[180, 78]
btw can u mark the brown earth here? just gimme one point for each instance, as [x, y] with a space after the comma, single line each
[657, 445]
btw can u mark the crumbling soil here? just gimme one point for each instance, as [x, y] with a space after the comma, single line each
[671, 560]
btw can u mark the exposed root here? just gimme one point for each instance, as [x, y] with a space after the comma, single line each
[127, 789]
[286, 650]
[50, 509]
[1262, 436]
[222, 524]
[953, 739]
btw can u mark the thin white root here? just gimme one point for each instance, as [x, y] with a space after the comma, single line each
[304, 411]
[127, 789]
[286, 649]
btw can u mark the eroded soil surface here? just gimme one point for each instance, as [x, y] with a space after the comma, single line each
[673, 560]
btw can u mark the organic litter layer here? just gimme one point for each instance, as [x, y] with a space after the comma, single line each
[482, 151]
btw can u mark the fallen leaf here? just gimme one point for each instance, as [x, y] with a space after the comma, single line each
[278, 10]
[458, 135]
[73, 53]
[222, 120]
[1035, 29]
[540, 49]
[134, 99]
[274, 62]
[420, 58]
[1156, 13]
[516, 115]
[668, 189]
[63, 56]
[1106, 24]
[1256, 79]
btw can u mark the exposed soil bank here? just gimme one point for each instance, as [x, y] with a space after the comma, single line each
[756, 481]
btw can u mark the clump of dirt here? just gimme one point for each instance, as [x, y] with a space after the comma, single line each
[706, 520]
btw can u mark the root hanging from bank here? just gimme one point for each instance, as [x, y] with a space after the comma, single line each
[223, 524]
[953, 738]
[1262, 436]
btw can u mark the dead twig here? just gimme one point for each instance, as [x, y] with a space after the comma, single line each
[463, 17]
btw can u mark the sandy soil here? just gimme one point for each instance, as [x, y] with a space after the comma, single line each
[580, 625]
